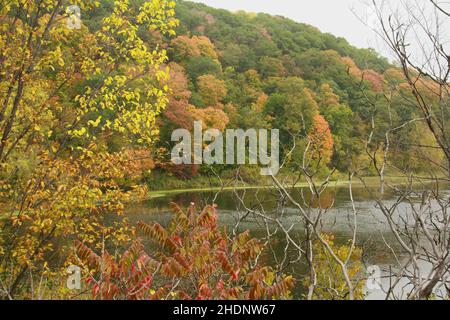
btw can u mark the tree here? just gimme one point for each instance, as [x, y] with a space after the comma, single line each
[212, 90]
[331, 284]
[292, 106]
[212, 118]
[321, 140]
[185, 47]
[62, 92]
[339, 117]
[178, 108]
[198, 66]
[271, 67]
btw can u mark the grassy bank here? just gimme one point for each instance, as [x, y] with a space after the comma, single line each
[368, 181]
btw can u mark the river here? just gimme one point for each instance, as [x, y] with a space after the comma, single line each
[372, 231]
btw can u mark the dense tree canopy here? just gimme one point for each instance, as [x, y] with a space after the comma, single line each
[281, 74]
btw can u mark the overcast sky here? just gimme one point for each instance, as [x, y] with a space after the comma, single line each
[334, 16]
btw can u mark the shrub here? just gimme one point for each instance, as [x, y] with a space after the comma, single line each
[193, 259]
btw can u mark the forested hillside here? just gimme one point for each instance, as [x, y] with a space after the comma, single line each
[255, 70]
[247, 70]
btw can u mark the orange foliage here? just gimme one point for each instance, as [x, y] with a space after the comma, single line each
[180, 171]
[205, 46]
[258, 106]
[211, 117]
[232, 114]
[184, 46]
[212, 90]
[321, 139]
[353, 69]
[178, 83]
[140, 160]
[183, 114]
[195, 46]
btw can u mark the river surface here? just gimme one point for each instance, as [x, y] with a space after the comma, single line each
[372, 231]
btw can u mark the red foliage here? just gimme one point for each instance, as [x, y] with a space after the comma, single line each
[178, 110]
[181, 171]
[375, 80]
[193, 260]
[182, 114]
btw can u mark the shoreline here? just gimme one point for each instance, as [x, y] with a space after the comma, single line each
[370, 181]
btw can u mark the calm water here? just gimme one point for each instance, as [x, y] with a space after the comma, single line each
[372, 232]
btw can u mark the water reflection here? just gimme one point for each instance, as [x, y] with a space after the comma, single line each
[373, 234]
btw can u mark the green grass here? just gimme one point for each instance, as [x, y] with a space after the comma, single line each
[369, 181]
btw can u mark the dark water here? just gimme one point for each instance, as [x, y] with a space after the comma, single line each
[373, 234]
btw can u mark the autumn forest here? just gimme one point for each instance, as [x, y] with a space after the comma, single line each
[87, 115]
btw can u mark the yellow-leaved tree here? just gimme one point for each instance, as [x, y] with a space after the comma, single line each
[76, 107]
[330, 283]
